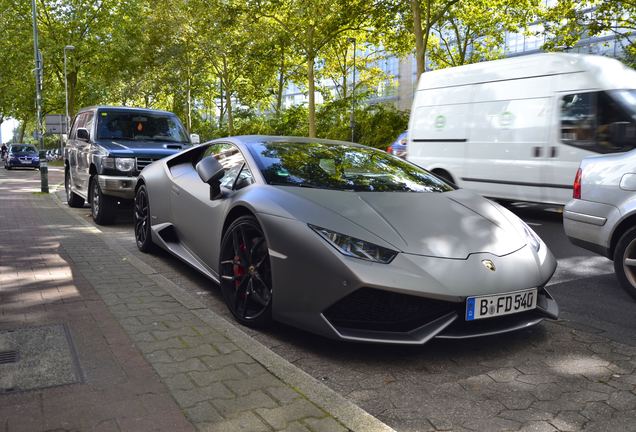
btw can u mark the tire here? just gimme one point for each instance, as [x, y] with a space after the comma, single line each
[245, 273]
[102, 206]
[72, 199]
[626, 251]
[141, 214]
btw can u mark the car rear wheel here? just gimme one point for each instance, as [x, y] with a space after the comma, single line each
[625, 261]
[143, 235]
[102, 206]
[245, 273]
[72, 199]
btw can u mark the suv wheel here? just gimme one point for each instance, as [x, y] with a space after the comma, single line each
[72, 199]
[625, 261]
[102, 206]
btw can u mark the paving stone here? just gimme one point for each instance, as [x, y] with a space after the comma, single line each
[220, 361]
[492, 424]
[245, 422]
[504, 374]
[283, 394]
[256, 399]
[538, 426]
[622, 401]
[203, 412]
[537, 379]
[179, 382]
[527, 415]
[159, 357]
[148, 347]
[189, 398]
[187, 353]
[569, 421]
[326, 424]
[278, 418]
[172, 368]
[244, 386]
[597, 411]
[295, 427]
[252, 369]
[230, 372]
[175, 333]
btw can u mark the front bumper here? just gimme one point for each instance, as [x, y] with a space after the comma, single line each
[590, 224]
[26, 163]
[409, 301]
[118, 186]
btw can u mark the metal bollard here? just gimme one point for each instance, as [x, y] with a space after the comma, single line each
[44, 172]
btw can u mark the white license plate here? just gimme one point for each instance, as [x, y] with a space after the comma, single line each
[501, 304]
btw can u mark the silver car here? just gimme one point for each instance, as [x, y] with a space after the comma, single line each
[344, 240]
[602, 215]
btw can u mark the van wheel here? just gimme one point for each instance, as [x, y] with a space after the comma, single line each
[102, 206]
[72, 199]
[625, 261]
[444, 175]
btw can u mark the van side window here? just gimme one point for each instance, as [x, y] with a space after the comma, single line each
[578, 119]
[596, 122]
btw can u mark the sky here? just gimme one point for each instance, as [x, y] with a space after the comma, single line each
[7, 129]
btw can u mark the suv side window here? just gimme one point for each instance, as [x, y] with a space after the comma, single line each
[586, 120]
[88, 123]
[77, 123]
[233, 161]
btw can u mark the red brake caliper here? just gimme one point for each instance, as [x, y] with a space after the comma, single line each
[239, 271]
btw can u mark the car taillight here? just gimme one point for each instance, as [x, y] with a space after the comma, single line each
[576, 193]
[389, 149]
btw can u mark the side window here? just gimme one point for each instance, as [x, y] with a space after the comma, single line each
[77, 123]
[88, 123]
[592, 121]
[578, 119]
[232, 160]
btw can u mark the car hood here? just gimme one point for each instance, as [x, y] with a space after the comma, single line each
[136, 148]
[446, 225]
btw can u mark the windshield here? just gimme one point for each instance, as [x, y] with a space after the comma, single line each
[135, 126]
[627, 99]
[341, 167]
[22, 149]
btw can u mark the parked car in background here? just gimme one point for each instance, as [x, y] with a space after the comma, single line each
[343, 240]
[517, 128]
[399, 147]
[22, 156]
[108, 147]
[601, 217]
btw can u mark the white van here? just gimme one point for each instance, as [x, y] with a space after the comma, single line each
[518, 128]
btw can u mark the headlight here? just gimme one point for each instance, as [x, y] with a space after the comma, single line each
[356, 248]
[124, 164]
[533, 238]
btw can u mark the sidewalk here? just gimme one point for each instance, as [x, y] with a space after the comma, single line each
[105, 343]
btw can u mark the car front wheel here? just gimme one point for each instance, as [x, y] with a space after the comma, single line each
[625, 261]
[143, 235]
[245, 272]
[102, 206]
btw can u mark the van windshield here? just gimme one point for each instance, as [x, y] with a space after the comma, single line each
[140, 126]
[627, 99]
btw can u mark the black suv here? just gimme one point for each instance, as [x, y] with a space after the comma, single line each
[107, 148]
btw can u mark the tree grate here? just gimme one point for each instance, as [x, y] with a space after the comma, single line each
[7, 357]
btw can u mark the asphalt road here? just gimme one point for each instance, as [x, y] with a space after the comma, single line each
[545, 378]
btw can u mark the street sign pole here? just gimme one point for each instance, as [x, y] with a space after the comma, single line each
[44, 170]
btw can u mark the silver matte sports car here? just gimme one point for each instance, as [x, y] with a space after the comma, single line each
[344, 240]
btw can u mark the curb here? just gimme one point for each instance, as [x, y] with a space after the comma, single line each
[346, 412]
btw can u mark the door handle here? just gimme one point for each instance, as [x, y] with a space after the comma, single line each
[536, 151]
[554, 151]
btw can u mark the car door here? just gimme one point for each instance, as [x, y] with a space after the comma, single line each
[84, 152]
[198, 219]
[72, 152]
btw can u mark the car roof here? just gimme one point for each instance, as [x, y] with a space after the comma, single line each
[123, 108]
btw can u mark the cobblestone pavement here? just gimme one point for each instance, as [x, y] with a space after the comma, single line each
[560, 376]
[153, 355]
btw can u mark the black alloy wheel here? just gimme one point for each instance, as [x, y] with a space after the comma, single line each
[143, 237]
[102, 206]
[72, 199]
[245, 273]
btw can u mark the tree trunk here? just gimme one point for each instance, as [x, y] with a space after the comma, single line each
[72, 84]
[189, 108]
[420, 45]
[312, 100]
[281, 81]
[21, 130]
[228, 108]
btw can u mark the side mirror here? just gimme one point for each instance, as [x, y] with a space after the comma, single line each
[194, 139]
[211, 172]
[83, 134]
